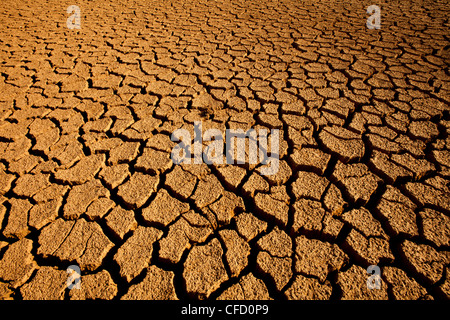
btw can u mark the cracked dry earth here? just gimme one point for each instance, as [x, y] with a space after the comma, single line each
[86, 176]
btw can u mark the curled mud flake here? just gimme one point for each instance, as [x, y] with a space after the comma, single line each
[316, 258]
[425, 260]
[204, 270]
[136, 191]
[346, 144]
[135, 254]
[17, 263]
[237, 251]
[249, 226]
[99, 285]
[82, 171]
[80, 241]
[47, 284]
[248, 288]
[399, 212]
[305, 288]
[17, 224]
[309, 185]
[121, 221]
[403, 287]
[435, 226]
[157, 285]
[164, 209]
[358, 181]
[353, 283]
[81, 196]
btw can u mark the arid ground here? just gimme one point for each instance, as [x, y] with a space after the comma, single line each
[86, 176]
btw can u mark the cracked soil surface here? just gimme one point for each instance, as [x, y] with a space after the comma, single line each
[86, 176]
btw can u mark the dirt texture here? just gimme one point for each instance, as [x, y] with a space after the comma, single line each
[87, 179]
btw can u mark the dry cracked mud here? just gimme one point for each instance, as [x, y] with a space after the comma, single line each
[86, 175]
